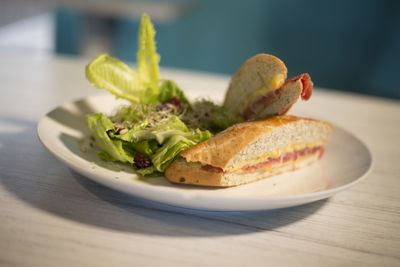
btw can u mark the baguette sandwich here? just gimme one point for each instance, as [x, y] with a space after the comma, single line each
[258, 89]
[251, 151]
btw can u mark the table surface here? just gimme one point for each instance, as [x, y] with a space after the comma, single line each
[52, 216]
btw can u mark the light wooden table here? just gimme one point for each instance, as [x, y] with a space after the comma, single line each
[52, 216]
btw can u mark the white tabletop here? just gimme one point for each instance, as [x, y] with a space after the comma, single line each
[52, 216]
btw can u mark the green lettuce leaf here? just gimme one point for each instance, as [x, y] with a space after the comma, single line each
[143, 86]
[119, 79]
[168, 90]
[147, 147]
[174, 126]
[134, 135]
[129, 116]
[147, 57]
[160, 132]
[175, 145]
[198, 135]
[169, 151]
[113, 150]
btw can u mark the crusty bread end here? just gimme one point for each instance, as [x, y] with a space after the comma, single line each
[257, 76]
[219, 161]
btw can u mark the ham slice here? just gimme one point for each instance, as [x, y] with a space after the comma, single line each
[282, 159]
[307, 85]
[270, 97]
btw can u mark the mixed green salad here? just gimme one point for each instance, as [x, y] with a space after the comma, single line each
[160, 121]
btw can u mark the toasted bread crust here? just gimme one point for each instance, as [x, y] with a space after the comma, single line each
[254, 74]
[180, 172]
[219, 150]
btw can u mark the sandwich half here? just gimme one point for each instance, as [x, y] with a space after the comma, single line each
[250, 151]
[258, 89]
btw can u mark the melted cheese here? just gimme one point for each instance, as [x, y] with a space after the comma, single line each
[274, 83]
[273, 155]
[277, 80]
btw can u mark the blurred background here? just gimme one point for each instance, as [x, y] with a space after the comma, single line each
[346, 45]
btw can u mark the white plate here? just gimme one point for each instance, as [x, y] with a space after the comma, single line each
[65, 134]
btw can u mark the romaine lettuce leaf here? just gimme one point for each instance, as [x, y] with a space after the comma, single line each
[147, 57]
[168, 90]
[198, 135]
[175, 145]
[134, 135]
[143, 86]
[119, 79]
[129, 116]
[160, 132]
[147, 147]
[99, 125]
[174, 126]
[169, 151]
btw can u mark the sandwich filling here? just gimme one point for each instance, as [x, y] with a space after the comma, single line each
[264, 100]
[271, 162]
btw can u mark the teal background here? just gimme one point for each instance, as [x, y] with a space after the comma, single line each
[346, 45]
